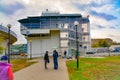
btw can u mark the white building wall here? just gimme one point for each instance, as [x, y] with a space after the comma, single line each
[42, 44]
[64, 43]
[64, 34]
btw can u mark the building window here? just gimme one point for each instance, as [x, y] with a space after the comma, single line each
[84, 27]
[66, 25]
[62, 25]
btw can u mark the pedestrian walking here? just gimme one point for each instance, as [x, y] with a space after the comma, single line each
[65, 52]
[55, 59]
[46, 59]
[6, 71]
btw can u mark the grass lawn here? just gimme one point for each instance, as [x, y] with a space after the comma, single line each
[18, 64]
[107, 68]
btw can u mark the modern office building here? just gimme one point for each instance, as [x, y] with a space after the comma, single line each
[53, 30]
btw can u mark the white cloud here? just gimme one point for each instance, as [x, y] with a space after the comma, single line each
[26, 1]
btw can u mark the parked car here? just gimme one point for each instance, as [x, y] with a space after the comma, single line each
[115, 48]
[90, 52]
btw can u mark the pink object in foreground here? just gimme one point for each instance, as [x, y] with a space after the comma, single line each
[6, 71]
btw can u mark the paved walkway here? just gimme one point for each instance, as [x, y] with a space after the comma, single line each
[38, 72]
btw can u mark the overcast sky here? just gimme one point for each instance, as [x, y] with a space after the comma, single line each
[104, 14]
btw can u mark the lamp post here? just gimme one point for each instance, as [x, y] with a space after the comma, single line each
[9, 26]
[84, 45]
[30, 49]
[27, 33]
[76, 23]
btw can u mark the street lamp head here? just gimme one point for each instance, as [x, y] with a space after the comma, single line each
[9, 25]
[76, 23]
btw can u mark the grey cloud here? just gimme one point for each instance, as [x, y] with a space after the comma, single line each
[92, 4]
[100, 27]
[97, 26]
[104, 15]
[86, 6]
[111, 35]
[11, 8]
[115, 35]
[112, 27]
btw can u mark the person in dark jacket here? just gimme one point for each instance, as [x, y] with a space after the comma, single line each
[55, 59]
[65, 52]
[46, 59]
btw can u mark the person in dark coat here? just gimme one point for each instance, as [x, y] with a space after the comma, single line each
[55, 59]
[65, 52]
[46, 59]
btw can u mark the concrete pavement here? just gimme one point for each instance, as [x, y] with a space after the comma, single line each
[38, 72]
